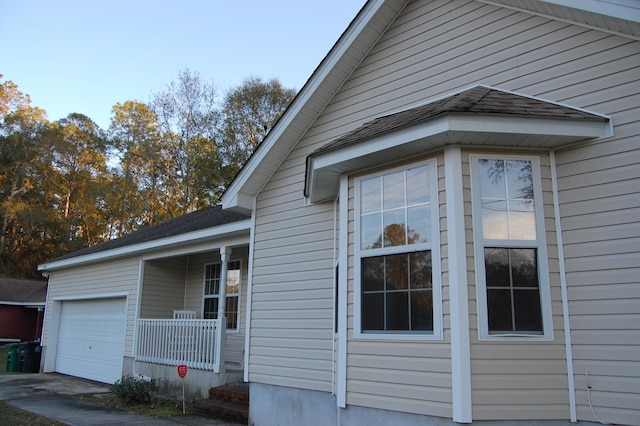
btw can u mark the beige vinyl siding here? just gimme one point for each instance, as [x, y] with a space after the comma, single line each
[292, 284]
[234, 350]
[433, 49]
[600, 211]
[112, 277]
[515, 379]
[598, 190]
[414, 377]
[163, 287]
[438, 47]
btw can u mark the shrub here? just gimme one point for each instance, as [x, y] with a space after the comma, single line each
[130, 389]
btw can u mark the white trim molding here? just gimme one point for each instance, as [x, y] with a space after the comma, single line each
[458, 287]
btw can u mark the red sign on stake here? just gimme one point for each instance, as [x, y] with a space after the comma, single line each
[182, 371]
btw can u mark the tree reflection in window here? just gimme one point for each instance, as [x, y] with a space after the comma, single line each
[397, 292]
[395, 209]
[396, 282]
[507, 199]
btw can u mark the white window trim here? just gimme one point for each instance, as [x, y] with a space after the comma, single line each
[433, 246]
[540, 244]
[204, 287]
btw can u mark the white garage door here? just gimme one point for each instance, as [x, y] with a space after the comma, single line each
[91, 339]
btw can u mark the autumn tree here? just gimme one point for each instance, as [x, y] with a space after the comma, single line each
[22, 162]
[79, 163]
[250, 111]
[139, 187]
[188, 117]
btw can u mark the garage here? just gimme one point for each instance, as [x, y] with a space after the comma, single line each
[91, 339]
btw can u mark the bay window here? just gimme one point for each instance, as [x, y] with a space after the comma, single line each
[397, 261]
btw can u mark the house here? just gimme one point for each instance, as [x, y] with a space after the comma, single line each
[443, 227]
[22, 305]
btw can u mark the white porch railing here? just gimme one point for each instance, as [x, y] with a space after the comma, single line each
[193, 342]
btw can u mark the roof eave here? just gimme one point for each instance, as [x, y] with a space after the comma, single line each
[217, 232]
[480, 130]
[363, 32]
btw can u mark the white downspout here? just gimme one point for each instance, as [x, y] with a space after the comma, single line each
[343, 245]
[247, 326]
[563, 286]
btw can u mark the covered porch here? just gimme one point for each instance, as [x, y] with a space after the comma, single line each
[188, 317]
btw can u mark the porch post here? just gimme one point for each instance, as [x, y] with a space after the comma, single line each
[225, 254]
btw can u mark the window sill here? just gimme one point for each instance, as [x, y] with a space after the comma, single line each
[398, 337]
[516, 338]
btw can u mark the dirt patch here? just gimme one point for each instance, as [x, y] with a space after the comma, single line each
[158, 407]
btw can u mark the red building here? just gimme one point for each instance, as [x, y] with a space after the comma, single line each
[22, 305]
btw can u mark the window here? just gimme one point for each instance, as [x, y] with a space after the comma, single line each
[513, 293]
[396, 258]
[212, 292]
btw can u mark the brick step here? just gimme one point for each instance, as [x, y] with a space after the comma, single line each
[228, 410]
[238, 394]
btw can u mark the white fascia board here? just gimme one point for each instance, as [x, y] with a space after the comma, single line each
[620, 9]
[493, 123]
[234, 197]
[27, 304]
[627, 10]
[198, 247]
[382, 142]
[214, 232]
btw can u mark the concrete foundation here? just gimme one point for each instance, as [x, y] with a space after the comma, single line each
[196, 383]
[277, 405]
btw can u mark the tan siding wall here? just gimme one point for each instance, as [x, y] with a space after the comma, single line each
[163, 287]
[400, 375]
[292, 293]
[432, 49]
[600, 206]
[98, 279]
[526, 380]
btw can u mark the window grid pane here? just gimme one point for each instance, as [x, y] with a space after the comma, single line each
[212, 292]
[506, 190]
[395, 209]
[512, 286]
[397, 293]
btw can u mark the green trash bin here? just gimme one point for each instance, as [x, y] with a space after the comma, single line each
[13, 359]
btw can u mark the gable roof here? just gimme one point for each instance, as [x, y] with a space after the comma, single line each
[14, 291]
[615, 16]
[206, 223]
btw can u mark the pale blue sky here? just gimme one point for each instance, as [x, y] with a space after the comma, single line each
[86, 55]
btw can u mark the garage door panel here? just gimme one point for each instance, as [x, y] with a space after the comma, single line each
[91, 339]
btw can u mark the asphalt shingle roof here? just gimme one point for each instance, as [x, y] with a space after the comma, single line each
[478, 100]
[190, 222]
[15, 290]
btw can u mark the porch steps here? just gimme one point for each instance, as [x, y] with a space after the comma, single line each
[228, 401]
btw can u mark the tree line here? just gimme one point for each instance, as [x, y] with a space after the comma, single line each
[69, 184]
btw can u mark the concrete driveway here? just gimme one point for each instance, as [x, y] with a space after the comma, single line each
[50, 395]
